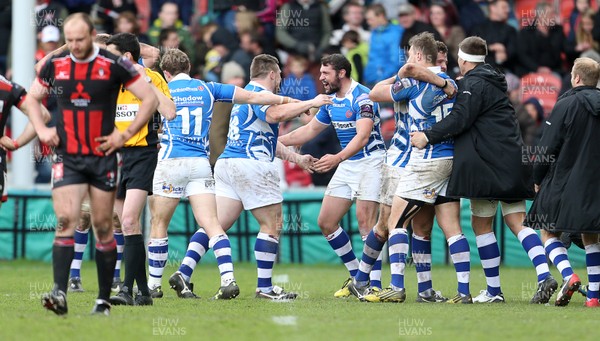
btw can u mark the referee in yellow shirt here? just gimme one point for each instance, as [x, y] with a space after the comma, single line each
[140, 155]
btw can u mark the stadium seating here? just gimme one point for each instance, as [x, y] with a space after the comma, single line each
[543, 86]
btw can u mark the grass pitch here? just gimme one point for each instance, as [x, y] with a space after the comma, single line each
[315, 315]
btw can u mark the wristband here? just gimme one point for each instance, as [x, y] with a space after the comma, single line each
[16, 144]
[445, 84]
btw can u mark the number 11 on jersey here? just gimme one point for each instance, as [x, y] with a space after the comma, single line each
[185, 120]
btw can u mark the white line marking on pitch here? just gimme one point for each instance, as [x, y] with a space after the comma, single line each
[286, 320]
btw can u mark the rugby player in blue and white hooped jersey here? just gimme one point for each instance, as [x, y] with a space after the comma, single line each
[246, 176]
[396, 159]
[183, 170]
[254, 182]
[356, 121]
[424, 179]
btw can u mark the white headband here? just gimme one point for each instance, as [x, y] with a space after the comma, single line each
[470, 57]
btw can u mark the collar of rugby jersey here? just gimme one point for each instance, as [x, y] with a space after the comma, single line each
[89, 59]
[181, 76]
[258, 85]
[434, 69]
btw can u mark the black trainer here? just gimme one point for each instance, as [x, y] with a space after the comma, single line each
[143, 300]
[181, 287]
[101, 307]
[122, 298]
[156, 292]
[55, 301]
[227, 292]
[75, 285]
[545, 290]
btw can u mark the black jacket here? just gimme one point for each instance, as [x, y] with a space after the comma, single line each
[488, 145]
[566, 165]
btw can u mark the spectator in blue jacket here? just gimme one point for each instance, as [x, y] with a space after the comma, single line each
[385, 55]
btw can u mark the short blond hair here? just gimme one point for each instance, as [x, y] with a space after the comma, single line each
[175, 61]
[262, 65]
[588, 70]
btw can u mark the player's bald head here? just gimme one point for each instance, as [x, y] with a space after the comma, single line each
[79, 35]
[78, 20]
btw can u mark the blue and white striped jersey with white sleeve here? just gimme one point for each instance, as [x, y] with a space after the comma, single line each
[250, 135]
[187, 134]
[427, 105]
[398, 152]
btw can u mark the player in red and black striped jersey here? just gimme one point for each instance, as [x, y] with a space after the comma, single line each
[12, 94]
[85, 81]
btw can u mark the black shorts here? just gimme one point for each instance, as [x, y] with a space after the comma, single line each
[444, 200]
[137, 171]
[97, 171]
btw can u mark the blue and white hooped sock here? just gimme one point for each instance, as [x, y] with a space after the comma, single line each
[421, 254]
[370, 257]
[461, 258]
[340, 242]
[81, 240]
[195, 251]
[489, 253]
[265, 252]
[532, 244]
[557, 253]
[222, 249]
[158, 254]
[398, 246]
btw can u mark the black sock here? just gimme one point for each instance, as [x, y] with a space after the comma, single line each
[129, 253]
[106, 258]
[140, 274]
[62, 255]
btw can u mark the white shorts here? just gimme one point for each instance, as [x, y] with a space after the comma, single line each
[487, 208]
[358, 179]
[425, 180]
[254, 183]
[390, 177]
[183, 177]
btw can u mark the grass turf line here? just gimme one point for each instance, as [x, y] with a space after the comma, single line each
[314, 315]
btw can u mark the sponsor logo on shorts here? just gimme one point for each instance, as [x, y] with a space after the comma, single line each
[111, 179]
[169, 188]
[429, 193]
[57, 172]
[209, 184]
